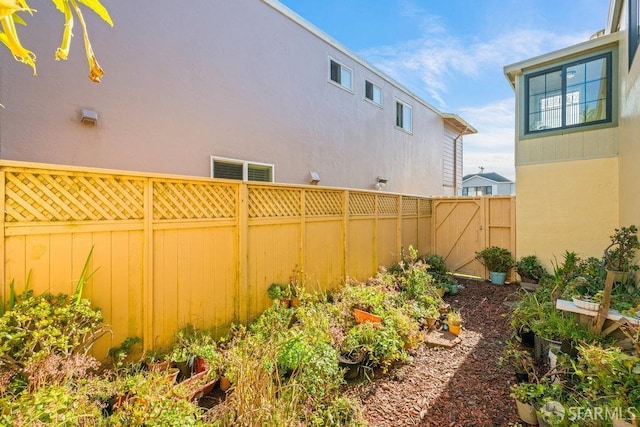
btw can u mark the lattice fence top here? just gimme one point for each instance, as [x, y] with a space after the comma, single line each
[33, 197]
[193, 200]
[425, 207]
[362, 204]
[409, 206]
[319, 203]
[387, 205]
[274, 202]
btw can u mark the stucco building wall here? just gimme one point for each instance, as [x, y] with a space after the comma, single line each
[235, 79]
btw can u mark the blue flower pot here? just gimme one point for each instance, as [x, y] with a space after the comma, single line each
[497, 278]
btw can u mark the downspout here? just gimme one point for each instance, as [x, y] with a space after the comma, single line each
[455, 159]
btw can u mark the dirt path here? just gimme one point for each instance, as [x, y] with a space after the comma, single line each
[462, 386]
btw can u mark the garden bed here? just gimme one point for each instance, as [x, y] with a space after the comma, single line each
[463, 386]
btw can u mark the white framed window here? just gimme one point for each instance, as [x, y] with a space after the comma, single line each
[404, 116]
[372, 92]
[242, 170]
[340, 75]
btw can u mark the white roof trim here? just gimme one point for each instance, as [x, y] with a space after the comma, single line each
[513, 70]
[290, 14]
[487, 179]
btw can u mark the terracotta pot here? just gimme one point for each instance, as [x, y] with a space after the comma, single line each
[196, 386]
[364, 316]
[200, 365]
[159, 366]
[295, 302]
[224, 383]
[172, 375]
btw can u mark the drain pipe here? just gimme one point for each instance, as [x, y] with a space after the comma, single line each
[455, 158]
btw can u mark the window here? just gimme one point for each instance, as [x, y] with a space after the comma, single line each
[372, 92]
[477, 191]
[340, 74]
[634, 29]
[571, 95]
[241, 170]
[403, 116]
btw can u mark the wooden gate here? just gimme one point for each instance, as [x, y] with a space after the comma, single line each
[462, 226]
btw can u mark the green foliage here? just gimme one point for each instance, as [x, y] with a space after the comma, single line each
[454, 318]
[620, 254]
[47, 324]
[381, 343]
[536, 393]
[496, 259]
[435, 264]
[279, 291]
[530, 269]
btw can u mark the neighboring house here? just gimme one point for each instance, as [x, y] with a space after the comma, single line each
[242, 89]
[577, 152]
[486, 184]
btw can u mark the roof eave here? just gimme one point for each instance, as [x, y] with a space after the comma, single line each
[458, 123]
[512, 71]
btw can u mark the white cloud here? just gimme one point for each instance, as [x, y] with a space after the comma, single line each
[492, 147]
[436, 61]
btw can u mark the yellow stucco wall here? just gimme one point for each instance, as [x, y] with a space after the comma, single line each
[566, 206]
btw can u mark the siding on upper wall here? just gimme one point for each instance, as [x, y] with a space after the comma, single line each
[234, 79]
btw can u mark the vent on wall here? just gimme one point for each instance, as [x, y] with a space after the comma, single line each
[89, 117]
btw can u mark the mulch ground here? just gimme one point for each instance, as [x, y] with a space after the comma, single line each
[459, 386]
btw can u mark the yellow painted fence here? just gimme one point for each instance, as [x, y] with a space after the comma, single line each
[175, 250]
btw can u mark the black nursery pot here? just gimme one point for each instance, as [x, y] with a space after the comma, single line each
[568, 347]
[522, 377]
[527, 337]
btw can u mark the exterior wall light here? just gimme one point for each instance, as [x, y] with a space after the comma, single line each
[315, 178]
[381, 182]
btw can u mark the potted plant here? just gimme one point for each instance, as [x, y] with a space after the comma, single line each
[530, 271]
[280, 292]
[498, 261]
[619, 256]
[521, 361]
[526, 395]
[454, 321]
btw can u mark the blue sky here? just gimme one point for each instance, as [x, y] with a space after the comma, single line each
[452, 53]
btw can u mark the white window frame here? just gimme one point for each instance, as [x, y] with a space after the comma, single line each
[375, 86]
[340, 83]
[403, 126]
[245, 167]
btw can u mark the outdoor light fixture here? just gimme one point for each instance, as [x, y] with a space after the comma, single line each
[89, 117]
[381, 182]
[315, 178]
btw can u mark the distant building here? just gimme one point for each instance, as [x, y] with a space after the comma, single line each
[486, 184]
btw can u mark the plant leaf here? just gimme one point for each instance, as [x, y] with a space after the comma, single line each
[99, 9]
[84, 278]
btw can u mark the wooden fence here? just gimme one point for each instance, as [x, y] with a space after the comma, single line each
[175, 250]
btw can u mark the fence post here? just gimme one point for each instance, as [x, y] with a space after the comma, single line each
[148, 284]
[2, 243]
[345, 233]
[242, 282]
[399, 231]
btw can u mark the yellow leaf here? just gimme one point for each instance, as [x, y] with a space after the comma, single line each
[63, 51]
[99, 9]
[10, 39]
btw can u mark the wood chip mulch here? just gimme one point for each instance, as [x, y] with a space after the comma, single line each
[459, 386]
